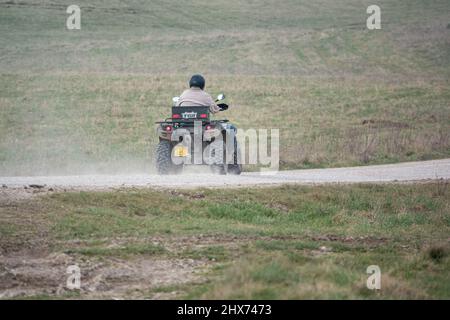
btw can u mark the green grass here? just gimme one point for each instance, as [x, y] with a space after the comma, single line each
[85, 101]
[287, 242]
[287, 210]
[296, 275]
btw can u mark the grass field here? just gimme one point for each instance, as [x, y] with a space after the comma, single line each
[85, 100]
[273, 243]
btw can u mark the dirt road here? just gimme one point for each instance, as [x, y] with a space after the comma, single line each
[411, 171]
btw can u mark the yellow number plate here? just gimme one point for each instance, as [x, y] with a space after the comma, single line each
[180, 151]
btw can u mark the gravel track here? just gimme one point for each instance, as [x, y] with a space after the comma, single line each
[401, 172]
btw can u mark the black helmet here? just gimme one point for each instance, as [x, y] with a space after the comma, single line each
[198, 81]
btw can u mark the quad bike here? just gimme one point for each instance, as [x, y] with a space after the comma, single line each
[189, 124]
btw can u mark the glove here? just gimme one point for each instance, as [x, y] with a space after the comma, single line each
[223, 106]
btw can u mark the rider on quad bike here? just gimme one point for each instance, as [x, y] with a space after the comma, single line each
[195, 96]
[215, 142]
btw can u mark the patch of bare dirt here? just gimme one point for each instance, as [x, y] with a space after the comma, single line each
[173, 244]
[105, 278]
[11, 195]
[32, 272]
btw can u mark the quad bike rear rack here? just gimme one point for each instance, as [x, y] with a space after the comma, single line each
[172, 120]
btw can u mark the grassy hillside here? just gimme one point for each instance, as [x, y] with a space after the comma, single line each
[287, 242]
[85, 101]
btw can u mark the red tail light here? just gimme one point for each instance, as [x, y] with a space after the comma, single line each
[176, 116]
[209, 127]
[168, 128]
[203, 116]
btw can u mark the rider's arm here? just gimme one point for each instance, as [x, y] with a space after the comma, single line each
[213, 106]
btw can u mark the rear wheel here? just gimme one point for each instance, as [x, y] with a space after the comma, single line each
[218, 157]
[163, 159]
[235, 167]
